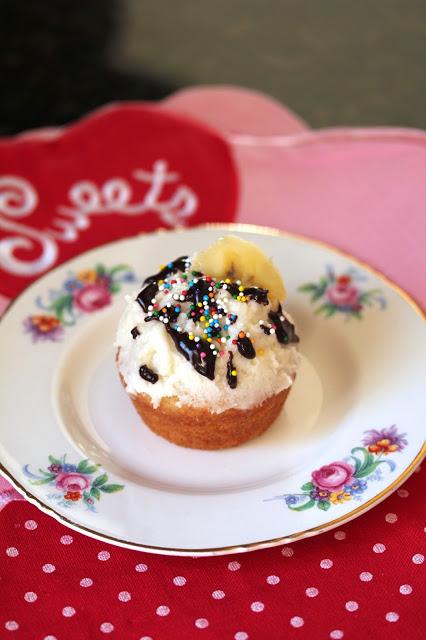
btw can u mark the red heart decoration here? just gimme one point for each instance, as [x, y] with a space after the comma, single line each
[120, 171]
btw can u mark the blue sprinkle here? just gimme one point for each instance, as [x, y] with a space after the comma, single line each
[177, 309]
[205, 297]
[170, 265]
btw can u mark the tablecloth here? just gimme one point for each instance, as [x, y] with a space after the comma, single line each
[364, 191]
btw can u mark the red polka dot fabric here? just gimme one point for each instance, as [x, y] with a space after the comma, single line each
[364, 580]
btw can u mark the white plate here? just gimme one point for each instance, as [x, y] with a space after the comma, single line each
[363, 348]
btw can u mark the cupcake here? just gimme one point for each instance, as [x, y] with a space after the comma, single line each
[205, 350]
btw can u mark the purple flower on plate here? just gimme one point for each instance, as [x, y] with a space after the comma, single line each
[319, 494]
[385, 440]
[44, 327]
[55, 468]
[291, 500]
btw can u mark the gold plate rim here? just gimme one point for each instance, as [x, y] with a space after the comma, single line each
[250, 546]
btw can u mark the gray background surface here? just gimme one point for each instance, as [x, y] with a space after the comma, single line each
[335, 62]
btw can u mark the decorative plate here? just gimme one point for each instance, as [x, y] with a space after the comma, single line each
[351, 432]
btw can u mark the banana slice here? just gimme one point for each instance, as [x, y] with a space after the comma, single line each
[232, 257]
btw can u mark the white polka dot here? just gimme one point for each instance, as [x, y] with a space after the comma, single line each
[68, 612]
[12, 552]
[391, 518]
[257, 606]
[241, 635]
[234, 566]
[340, 535]
[379, 547]
[140, 568]
[106, 627]
[418, 558]
[31, 525]
[392, 616]
[86, 582]
[50, 638]
[48, 568]
[124, 596]
[67, 539]
[272, 579]
[312, 592]
[179, 581]
[297, 621]
[405, 589]
[146, 638]
[163, 610]
[336, 634]
[30, 596]
[11, 625]
[201, 623]
[287, 552]
[218, 595]
[403, 493]
[365, 576]
[104, 555]
[326, 563]
[351, 605]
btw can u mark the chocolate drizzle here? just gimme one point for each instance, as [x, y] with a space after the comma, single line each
[135, 333]
[284, 329]
[205, 306]
[258, 295]
[245, 347]
[147, 374]
[180, 264]
[265, 329]
[192, 351]
[147, 294]
[197, 291]
[232, 380]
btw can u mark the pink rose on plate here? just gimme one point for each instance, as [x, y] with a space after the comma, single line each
[92, 297]
[72, 482]
[342, 293]
[333, 476]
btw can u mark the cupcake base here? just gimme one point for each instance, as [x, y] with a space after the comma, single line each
[199, 428]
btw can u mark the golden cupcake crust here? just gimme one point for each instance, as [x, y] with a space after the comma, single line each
[198, 428]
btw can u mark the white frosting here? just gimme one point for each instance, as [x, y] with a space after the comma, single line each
[258, 379]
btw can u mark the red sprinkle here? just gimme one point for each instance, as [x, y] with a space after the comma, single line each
[234, 342]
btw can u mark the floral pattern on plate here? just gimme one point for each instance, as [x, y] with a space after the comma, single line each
[342, 293]
[338, 482]
[73, 482]
[84, 292]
